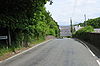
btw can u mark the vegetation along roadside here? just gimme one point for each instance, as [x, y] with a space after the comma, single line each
[24, 22]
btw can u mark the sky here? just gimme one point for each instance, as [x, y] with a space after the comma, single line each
[63, 10]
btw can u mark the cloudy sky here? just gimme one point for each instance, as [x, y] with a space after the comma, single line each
[62, 10]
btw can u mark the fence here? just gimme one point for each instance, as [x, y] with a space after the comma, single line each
[94, 38]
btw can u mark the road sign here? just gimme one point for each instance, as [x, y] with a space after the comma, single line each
[3, 37]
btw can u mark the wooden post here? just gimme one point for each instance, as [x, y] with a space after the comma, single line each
[71, 26]
[85, 24]
[9, 38]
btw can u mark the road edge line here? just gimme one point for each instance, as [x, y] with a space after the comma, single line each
[25, 51]
[91, 52]
[84, 43]
[98, 62]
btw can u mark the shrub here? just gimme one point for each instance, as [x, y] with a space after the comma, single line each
[83, 33]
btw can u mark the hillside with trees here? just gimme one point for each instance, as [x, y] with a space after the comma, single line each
[95, 23]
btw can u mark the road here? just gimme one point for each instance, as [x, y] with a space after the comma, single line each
[58, 52]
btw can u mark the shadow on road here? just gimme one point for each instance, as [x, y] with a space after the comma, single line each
[95, 50]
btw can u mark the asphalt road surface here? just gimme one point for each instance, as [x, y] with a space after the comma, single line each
[58, 52]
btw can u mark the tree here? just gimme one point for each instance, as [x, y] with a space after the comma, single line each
[25, 20]
[94, 22]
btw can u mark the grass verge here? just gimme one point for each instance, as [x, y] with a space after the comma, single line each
[7, 52]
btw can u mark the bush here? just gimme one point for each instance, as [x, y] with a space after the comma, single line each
[83, 33]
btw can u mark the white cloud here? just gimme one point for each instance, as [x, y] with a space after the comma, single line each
[61, 10]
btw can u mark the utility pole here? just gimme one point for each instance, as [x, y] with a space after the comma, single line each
[71, 26]
[85, 20]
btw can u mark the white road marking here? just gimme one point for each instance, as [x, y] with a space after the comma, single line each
[91, 52]
[88, 49]
[98, 62]
[93, 55]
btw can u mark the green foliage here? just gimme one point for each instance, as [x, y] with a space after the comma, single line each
[26, 20]
[81, 24]
[82, 33]
[95, 23]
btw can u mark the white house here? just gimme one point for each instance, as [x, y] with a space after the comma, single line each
[97, 30]
[77, 27]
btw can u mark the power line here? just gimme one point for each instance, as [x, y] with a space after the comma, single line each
[73, 12]
[83, 11]
[74, 8]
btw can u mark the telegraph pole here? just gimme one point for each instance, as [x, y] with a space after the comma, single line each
[85, 20]
[85, 16]
[71, 26]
